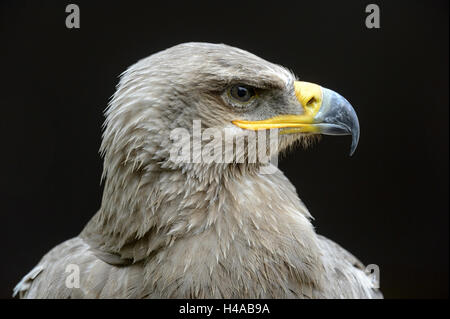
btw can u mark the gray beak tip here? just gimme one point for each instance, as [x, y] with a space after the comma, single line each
[338, 117]
[355, 140]
[353, 149]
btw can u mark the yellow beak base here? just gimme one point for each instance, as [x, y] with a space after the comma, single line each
[300, 122]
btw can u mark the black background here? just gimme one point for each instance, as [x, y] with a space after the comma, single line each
[388, 204]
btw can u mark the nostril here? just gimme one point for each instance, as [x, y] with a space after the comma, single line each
[311, 101]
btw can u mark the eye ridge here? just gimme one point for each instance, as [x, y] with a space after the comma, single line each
[242, 93]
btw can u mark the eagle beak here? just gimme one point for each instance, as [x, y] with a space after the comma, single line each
[324, 112]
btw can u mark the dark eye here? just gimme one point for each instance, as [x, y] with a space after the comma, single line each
[242, 93]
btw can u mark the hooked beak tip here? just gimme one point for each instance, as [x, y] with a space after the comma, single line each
[339, 117]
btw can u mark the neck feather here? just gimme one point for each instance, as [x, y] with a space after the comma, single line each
[147, 211]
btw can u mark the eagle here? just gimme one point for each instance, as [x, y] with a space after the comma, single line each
[197, 228]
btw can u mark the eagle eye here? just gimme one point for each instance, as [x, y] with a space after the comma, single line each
[241, 93]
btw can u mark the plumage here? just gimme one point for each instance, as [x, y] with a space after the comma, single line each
[167, 229]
